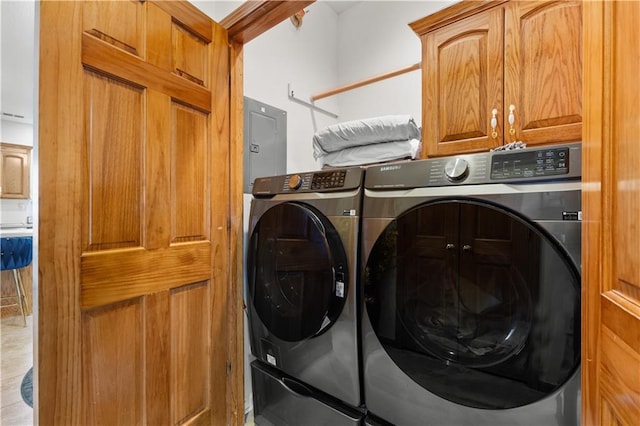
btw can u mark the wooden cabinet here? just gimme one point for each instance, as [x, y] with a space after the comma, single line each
[486, 62]
[14, 170]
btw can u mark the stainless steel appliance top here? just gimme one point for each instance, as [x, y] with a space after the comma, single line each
[549, 163]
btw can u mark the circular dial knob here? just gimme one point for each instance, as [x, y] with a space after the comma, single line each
[456, 169]
[295, 182]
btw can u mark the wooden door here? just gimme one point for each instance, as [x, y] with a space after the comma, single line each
[463, 82]
[543, 72]
[134, 251]
[611, 202]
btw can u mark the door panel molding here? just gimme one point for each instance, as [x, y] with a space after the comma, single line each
[104, 57]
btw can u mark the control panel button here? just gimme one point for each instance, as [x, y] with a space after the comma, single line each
[295, 181]
[456, 169]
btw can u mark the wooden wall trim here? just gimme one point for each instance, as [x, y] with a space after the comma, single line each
[594, 128]
[253, 18]
[235, 392]
[58, 322]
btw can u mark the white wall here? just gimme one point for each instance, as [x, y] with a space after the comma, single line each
[375, 38]
[17, 39]
[371, 38]
[304, 59]
[284, 57]
[17, 133]
[17, 53]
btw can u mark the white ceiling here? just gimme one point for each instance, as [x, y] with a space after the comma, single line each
[340, 6]
[18, 56]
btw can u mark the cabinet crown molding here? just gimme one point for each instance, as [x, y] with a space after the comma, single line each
[15, 145]
[451, 14]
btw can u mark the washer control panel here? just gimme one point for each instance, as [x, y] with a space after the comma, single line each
[529, 164]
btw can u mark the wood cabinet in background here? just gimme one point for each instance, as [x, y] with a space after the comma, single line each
[483, 62]
[15, 166]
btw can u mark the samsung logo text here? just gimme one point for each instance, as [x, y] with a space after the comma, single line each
[390, 168]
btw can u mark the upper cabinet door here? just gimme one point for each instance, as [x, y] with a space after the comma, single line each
[543, 72]
[463, 81]
[15, 168]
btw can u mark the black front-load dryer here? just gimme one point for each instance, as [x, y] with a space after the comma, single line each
[471, 269]
[301, 278]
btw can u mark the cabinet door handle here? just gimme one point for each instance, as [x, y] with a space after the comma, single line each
[512, 119]
[467, 248]
[450, 246]
[494, 123]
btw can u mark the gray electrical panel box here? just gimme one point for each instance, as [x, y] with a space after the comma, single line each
[265, 141]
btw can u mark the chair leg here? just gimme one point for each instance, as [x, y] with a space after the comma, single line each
[22, 301]
[25, 302]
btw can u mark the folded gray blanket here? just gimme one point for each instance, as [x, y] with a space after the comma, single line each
[364, 132]
[374, 153]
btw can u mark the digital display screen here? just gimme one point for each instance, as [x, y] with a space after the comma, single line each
[324, 180]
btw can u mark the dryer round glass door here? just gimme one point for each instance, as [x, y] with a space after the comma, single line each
[475, 304]
[297, 271]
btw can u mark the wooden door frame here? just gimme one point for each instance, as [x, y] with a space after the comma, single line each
[593, 159]
[235, 390]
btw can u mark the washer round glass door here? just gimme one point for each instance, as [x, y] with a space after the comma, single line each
[297, 271]
[475, 304]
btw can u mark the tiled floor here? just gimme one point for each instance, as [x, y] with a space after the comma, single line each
[16, 354]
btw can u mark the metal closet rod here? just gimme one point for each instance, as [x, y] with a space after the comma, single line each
[366, 81]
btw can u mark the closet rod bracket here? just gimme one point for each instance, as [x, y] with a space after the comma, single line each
[292, 97]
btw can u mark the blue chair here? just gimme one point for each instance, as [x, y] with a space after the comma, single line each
[16, 253]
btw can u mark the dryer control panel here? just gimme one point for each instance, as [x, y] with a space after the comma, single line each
[320, 181]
